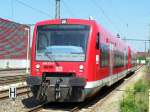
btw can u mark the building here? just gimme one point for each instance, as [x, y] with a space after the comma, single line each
[143, 57]
[13, 44]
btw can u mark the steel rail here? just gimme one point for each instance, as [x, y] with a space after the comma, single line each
[4, 94]
[102, 97]
[12, 79]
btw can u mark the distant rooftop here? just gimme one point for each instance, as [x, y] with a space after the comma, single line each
[145, 54]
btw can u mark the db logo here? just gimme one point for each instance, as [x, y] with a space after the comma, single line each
[59, 68]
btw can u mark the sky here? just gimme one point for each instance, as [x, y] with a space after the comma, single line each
[129, 18]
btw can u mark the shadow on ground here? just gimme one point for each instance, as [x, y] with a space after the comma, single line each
[30, 102]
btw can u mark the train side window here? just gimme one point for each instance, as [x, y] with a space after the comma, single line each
[104, 55]
[118, 59]
[97, 41]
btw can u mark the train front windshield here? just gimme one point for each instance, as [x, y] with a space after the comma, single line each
[61, 42]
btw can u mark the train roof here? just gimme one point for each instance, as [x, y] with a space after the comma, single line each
[69, 20]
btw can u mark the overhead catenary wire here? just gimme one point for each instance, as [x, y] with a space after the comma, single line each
[105, 15]
[68, 8]
[136, 40]
[35, 9]
[122, 20]
[139, 40]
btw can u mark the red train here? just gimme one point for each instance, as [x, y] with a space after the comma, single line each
[72, 59]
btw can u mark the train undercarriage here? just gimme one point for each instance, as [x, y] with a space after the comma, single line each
[57, 89]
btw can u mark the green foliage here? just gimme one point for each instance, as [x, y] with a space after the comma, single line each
[141, 58]
[136, 100]
[141, 86]
[128, 105]
[146, 69]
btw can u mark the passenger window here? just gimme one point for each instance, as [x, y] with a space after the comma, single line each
[97, 41]
[104, 55]
[118, 59]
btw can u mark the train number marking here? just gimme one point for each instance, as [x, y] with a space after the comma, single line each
[59, 69]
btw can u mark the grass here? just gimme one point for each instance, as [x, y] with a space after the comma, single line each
[136, 98]
[146, 69]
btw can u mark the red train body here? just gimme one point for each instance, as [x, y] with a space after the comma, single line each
[72, 59]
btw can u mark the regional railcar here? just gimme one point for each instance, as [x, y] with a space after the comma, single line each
[72, 59]
[131, 60]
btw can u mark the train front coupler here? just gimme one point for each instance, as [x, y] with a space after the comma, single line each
[58, 89]
[63, 89]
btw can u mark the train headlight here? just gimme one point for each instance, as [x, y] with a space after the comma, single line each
[81, 68]
[37, 66]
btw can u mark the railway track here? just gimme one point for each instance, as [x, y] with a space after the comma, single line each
[67, 107]
[11, 72]
[100, 97]
[22, 90]
[37, 108]
[6, 70]
[104, 94]
[12, 79]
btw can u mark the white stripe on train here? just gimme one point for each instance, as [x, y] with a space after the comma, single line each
[108, 80]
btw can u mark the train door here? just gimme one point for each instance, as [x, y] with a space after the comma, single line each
[125, 59]
[111, 62]
[97, 68]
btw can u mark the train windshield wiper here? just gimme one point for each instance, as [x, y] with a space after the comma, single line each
[49, 56]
